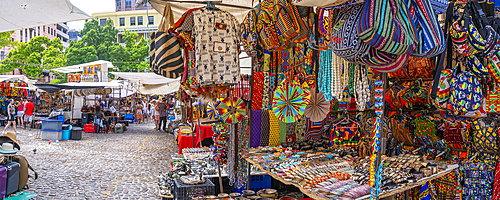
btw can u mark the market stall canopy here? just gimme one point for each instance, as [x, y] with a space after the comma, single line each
[79, 67]
[16, 14]
[13, 78]
[54, 88]
[88, 85]
[239, 8]
[122, 93]
[144, 78]
[159, 89]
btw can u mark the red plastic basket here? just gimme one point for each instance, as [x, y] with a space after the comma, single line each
[88, 128]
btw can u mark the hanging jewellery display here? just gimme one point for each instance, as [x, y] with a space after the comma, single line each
[362, 88]
[337, 83]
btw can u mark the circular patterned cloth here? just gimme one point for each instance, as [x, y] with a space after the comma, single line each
[319, 108]
[213, 110]
[233, 112]
[289, 102]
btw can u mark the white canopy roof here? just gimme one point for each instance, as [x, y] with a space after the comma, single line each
[159, 89]
[18, 14]
[79, 68]
[96, 84]
[179, 7]
[14, 78]
[144, 78]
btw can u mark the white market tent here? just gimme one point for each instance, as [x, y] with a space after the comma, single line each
[79, 68]
[150, 83]
[96, 84]
[14, 78]
[19, 14]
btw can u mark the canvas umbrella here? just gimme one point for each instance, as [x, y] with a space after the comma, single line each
[289, 102]
[213, 110]
[318, 108]
[232, 112]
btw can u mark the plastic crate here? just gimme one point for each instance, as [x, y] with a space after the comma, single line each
[60, 117]
[88, 128]
[182, 191]
[257, 182]
[52, 124]
[51, 135]
[129, 116]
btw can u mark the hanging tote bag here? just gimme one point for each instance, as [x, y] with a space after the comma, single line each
[430, 36]
[345, 42]
[167, 61]
[466, 93]
[439, 6]
[312, 3]
[387, 26]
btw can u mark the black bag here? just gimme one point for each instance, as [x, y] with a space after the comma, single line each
[12, 177]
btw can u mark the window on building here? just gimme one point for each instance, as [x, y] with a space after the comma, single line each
[38, 31]
[151, 20]
[2, 55]
[132, 21]
[128, 3]
[102, 22]
[21, 35]
[118, 3]
[43, 27]
[122, 21]
[139, 20]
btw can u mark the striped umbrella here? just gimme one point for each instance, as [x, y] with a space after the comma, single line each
[213, 110]
[232, 114]
[289, 102]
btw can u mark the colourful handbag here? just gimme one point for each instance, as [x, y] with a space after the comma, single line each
[439, 6]
[466, 93]
[345, 42]
[430, 37]
[386, 26]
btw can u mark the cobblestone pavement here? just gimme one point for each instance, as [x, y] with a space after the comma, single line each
[100, 166]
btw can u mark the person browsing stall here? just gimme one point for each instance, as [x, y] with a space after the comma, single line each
[28, 113]
[11, 113]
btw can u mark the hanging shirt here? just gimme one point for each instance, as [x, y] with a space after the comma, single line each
[216, 35]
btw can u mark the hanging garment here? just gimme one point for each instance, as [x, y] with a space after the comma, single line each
[496, 184]
[256, 127]
[264, 134]
[425, 131]
[266, 100]
[258, 87]
[446, 186]
[282, 127]
[477, 180]
[274, 129]
[217, 38]
[486, 135]
[300, 128]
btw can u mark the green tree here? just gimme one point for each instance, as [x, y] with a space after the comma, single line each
[6, 39]
[32, 57]
[100, 43]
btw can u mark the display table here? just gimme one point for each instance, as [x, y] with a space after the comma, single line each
[385, 194]
[206, 132]
[185, 141]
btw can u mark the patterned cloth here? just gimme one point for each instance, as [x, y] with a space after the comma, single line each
[446, 186]
[496, 183]
[256, 126]
[282, 126]
[466, 94]
[485, 137]
[274, 129]
[313, 129]
[258, 87]
[300, 128]
[477, 180]
[264, 133]
[217, 38]
[266, 98]
[492, 100]
[346, 135]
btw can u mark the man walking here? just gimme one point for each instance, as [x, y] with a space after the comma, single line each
[163, 115]
[28, 113]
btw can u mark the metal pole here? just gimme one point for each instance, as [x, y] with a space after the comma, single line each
[72, 104]
[249, 113]
[199, 123]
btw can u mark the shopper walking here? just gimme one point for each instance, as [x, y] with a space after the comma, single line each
[20, 113]
[11, 119]
[28, 113]
[163, 115]
[157, 115]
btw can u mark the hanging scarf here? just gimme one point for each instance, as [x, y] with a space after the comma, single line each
[258, 87]
[264, 134]
[282, 126]
[274, 129]
[256, 127]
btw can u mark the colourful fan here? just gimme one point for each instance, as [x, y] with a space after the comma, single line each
[317, 110]
[289, 102]
[232, 112]
[213, 110]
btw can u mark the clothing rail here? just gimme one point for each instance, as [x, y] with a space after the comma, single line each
[205, 2]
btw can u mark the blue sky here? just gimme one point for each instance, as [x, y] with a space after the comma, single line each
[89, 7]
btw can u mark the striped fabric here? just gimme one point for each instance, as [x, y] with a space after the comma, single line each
[258, 87]
[274, 129]
[313, 129]
[264, 133]
[283, 130]
[256, 127]
[167, 59]
[431, 41]
[388, 30]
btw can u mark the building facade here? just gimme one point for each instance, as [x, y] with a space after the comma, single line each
[62, 33]
[129, 5]
[74, 35]
[141, 22]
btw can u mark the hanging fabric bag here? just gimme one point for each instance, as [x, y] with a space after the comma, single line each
[345, 42]
[439, 6]
[387, 26]
[466, 93]
[312, 3]
[430, 36]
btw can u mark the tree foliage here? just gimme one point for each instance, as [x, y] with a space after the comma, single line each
[101, 43]
[33, 57]
[6, 39]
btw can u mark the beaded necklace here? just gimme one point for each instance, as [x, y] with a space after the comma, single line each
[352, 71]
[325, 71]
[362, 89]
[337, 76]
